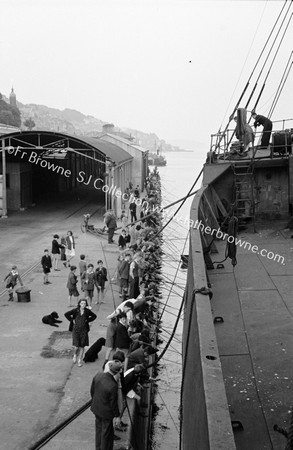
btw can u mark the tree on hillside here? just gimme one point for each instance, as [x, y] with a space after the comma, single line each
[29, 123]
[9, 115]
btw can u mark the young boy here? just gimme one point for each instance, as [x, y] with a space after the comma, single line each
[124, 220]
[82, 266]
[11, 280]
[100, 279]
[122, 241]
[124, 276]
[46, 263]
[88, 284]
[72, 285]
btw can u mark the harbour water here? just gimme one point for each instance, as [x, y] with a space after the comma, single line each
[177, 177]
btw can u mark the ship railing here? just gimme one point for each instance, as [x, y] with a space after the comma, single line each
[221, 142]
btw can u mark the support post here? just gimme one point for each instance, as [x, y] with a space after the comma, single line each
[4, 190]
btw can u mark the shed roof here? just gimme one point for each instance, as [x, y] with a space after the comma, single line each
[117, 154]
[50, 139]
[124, 141]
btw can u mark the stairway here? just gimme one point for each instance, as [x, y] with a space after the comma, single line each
[244, 190]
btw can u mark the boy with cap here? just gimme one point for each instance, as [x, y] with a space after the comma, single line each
[11, 280]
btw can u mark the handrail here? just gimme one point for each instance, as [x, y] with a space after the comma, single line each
[226, 135]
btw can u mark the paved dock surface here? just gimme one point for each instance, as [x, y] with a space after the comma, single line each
[256, 338]
[40, 385]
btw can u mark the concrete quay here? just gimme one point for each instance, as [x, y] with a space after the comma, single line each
[40, 385]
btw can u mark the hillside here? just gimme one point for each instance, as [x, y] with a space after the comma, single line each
[74, 122]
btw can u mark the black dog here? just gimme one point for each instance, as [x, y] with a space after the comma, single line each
[92, 354]
[51, 319]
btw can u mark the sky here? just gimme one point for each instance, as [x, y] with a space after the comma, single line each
[172, 67]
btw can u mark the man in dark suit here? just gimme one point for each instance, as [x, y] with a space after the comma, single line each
[104, 393]
[267, 128]
[110, 222]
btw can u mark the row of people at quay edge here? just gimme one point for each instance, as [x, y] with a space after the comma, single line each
[130, 340]
[130, 337]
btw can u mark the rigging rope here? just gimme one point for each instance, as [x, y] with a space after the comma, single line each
[281, 86]
[253, 70]
[276, 52]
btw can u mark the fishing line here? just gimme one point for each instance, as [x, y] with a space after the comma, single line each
[173, 362]
[168, 412]
[180, 206]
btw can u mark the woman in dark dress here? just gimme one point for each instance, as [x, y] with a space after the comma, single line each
[79, 325]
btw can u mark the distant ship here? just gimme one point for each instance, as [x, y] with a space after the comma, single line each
[156, 159]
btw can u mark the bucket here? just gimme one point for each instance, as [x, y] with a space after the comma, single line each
[23, 294]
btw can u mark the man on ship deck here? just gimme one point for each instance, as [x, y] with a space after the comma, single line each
[267, 128]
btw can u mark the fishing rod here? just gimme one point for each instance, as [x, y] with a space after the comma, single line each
[179, 207]
[162, 208]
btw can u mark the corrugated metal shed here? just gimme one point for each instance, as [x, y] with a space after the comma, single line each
[112, 151]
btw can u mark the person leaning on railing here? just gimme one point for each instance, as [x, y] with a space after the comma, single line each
[267, 128]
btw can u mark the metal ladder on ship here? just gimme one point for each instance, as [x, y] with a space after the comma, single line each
[244, 206]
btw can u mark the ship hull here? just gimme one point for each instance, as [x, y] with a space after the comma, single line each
[232, 363]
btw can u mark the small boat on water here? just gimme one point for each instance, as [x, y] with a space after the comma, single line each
[156, 159]
[237, 389]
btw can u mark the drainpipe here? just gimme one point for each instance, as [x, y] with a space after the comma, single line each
[4, 190]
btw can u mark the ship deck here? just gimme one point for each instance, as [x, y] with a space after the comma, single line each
[255, 338]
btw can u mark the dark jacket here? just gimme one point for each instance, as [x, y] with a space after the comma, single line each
[72, 280]
[70, 245]
[56, 247]
[110, 221]
[71, 315]
[132, 207]
[104, 393]
[136, 357]
[122, 339]
[88, 280]
[264, 121]
[11, 279]
[122, 241]
[46, 262]
[124, 270]
[101, 276]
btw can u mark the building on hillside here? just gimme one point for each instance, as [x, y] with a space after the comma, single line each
[12, 98]
[6, 129]
[139, 154]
